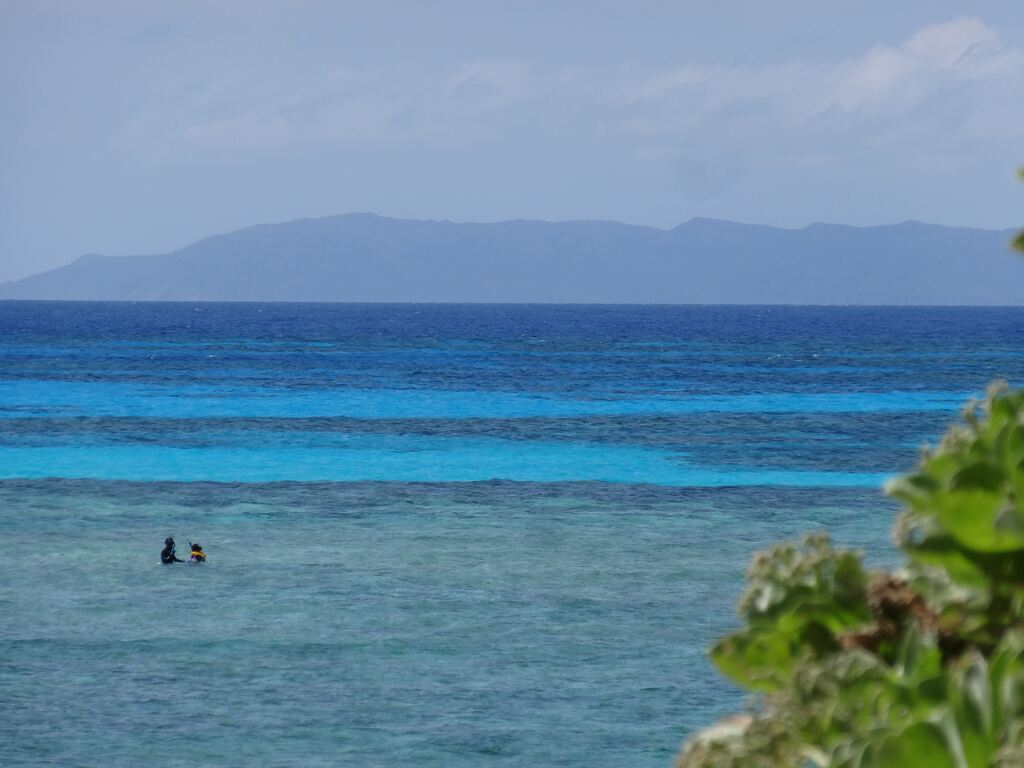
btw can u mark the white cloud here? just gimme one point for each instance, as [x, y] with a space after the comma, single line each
[664, 84]
[949, 43]
[961, 47]
[490, 83]
[875, 74]
[785, 114]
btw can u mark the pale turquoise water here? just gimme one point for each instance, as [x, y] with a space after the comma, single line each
[444, 536]
[404, 460]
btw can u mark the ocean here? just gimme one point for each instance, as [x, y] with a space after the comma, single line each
[440, 535]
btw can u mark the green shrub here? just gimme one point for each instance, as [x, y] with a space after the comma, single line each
[919, 668]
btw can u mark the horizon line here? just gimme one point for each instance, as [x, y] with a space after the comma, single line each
[510, 303]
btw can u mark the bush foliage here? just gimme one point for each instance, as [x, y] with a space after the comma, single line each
[919, 668]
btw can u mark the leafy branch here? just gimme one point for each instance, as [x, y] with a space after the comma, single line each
[920, 668]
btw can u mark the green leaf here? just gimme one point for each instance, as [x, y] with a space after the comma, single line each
[927, 544]
[762, 658]
[981, 475]
[758, 658]
[913, 490]
[917, 657]
[922, 745]
[811, 582]
[1006, 675]
[971, 698]
[980, 519]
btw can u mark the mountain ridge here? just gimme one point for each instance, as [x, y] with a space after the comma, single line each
[367, 257]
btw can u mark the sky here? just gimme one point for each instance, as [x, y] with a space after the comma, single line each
[131, 127]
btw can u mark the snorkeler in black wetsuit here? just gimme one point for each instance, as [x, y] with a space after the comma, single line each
[167, 555]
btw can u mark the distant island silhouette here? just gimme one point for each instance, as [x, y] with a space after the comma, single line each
[370, 258]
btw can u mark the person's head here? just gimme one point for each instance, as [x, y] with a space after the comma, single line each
[196, 548]
[169, 542]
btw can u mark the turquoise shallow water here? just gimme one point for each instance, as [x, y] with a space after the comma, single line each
[402, 459]
[448, 536]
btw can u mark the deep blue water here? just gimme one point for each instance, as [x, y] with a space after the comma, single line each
[438, 535]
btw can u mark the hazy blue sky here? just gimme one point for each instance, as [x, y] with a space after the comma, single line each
[137, 127]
